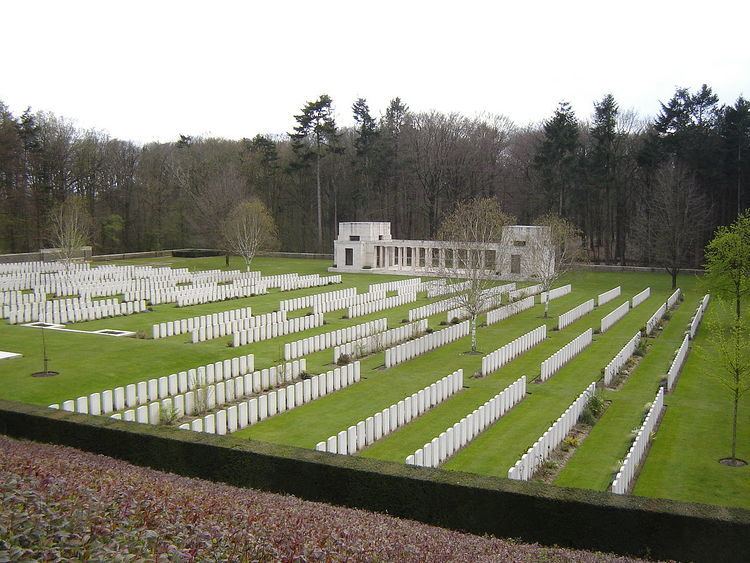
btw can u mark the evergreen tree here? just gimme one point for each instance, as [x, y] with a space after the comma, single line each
[735, 135]
[557, 158]
[364, 143]
[314, 136]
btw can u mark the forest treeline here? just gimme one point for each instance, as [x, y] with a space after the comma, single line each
[601, 171]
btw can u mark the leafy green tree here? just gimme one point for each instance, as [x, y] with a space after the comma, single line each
[733, 365]
[557, 156]
[314, 136]
[728, 262]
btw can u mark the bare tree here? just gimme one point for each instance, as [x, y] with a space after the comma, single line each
[733, 363]
[70, 228]
[550, 257]
[472, 227]
[672, 221]
[248, 229]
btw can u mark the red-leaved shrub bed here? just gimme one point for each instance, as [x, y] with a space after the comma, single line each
[60, 503]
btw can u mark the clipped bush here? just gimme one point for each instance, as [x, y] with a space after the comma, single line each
[343, 360]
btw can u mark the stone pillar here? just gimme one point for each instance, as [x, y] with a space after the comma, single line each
[455, 259]
[441, 258]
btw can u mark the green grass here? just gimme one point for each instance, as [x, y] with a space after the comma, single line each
[682, 464]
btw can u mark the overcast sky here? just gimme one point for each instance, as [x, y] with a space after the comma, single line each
[150, 70]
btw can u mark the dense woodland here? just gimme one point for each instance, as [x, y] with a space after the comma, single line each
[613, 173]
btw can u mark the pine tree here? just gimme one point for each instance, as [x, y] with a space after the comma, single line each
[367, 134]
[314, 137]
[556, 158]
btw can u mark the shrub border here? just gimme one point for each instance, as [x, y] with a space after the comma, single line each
[528, 511]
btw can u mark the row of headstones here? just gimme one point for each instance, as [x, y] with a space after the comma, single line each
[637, 450]
[394, 285]
[552, 365]
[41, 307]
[455, 437]
[220, 330]
[314, 280]
[37, 266]
[431, 309]
[15, 297]
[180, 326]
[154, 389]
[679, 359]
[207, 397]
[622, 357]
[380, 305]
[422, 287]
[672, 299]
[575, 313]
[555, 293]
[640, 297]
[367, 432]
[523, 292]
[257, 409]
[611, 318]
[266, 332]
[319, 342]
[350, 301]
[698, 317]
[539, 452]
[297, 303]
[376, 342]
[80, 314]
[490, 299]
[413, 348]
[448, 289]
[608, 296]
[188, 297]
[497, 359]
[502, 313]
[654, 319]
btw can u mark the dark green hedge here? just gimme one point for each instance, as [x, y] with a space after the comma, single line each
[196, 253]
[531, 512]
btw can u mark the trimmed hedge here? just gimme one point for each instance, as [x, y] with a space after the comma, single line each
[531, 512]
[196, 253]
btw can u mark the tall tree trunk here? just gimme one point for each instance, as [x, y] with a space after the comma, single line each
[734, 422]
[474, 333]
[320, 212]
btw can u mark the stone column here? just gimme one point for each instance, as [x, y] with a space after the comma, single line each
[441, 258]
[455, 259]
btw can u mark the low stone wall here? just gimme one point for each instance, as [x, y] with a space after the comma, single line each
[618, 268]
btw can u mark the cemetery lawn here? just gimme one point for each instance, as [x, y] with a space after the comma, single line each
[682, 464]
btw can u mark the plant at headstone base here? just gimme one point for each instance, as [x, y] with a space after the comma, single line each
[731, 362]
[249, 229]
[201, 394]
[641, 349]
[593, 409]
[305, 375]
[70, 229]
[570, 442]
[470, 229]
[168, 416]
[343, 360]
[552, 255]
